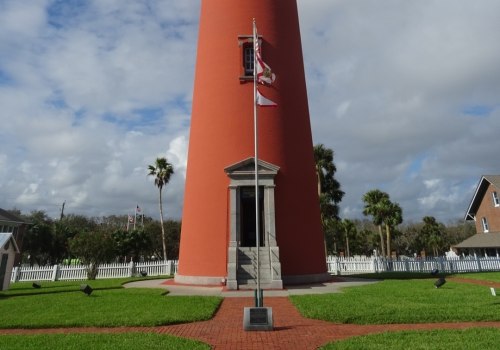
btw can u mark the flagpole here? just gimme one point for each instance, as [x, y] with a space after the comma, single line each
[256, 161]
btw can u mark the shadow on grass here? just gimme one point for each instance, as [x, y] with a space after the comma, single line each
[26, 292]
[400, 275]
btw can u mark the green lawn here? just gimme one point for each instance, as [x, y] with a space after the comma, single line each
[486, 276]
[470, 339]
[400, 298]
[125, 341]
[26, 288]
[62, 304]
[411, 298]
[403, 301]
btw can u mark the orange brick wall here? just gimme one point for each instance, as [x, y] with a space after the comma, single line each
[222, 134]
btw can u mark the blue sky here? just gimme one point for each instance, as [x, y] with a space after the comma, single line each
[91, 92]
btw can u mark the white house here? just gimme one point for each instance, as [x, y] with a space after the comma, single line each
[8, 251]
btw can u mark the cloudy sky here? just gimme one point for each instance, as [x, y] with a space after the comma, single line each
[407, 93]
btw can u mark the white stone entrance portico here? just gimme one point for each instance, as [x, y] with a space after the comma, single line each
[241, 268]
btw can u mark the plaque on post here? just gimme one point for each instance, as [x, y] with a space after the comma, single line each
[258, 319]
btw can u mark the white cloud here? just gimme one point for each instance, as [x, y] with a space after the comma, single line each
[408, 70]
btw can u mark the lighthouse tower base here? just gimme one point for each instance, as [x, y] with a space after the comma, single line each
[242, 259]
[220, 222]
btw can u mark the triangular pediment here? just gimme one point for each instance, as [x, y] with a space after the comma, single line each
[8, 238]
[247, 167]
[477, 199]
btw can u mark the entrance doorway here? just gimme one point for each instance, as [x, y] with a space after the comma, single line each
[241, 250]
[247, 215]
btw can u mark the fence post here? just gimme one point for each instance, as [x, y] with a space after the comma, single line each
[169, 267]
[14, 276]
[372, 265]
[55, 273]
[407, 265]
[164, 267]
[441, 264]
[478, 259]
[131, 269]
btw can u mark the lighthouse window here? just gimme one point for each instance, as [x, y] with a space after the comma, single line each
[248, 60]
[245, 42]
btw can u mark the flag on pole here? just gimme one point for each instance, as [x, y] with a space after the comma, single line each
[138, 209]
[264, 73]
[264, 101]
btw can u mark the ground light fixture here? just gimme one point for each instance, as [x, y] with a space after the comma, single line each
[439, 282]
[144, 273]
[434, 272]
[85, 288]
[36, 285]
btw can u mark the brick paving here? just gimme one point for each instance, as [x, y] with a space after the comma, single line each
[291, 330]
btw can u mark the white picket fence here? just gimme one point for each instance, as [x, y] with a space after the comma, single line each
[357, 265]
[336, 265]
[79, 272]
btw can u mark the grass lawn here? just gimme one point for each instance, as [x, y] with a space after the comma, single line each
[62, 304]
[402, 301]
[399, 298]
[125, 341]
[485, 276]
[470, 339]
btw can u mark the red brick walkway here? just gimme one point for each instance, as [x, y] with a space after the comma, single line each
[292, 331]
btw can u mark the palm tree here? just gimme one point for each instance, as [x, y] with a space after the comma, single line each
[328, 186]
[324, 164]
[392, 216]
[375, 205]
[350, 231]
[329, 192]
[162, 170]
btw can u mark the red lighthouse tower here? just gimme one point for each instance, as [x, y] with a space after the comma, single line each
[218, 238]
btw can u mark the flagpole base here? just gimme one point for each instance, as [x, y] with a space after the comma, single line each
[259, 298]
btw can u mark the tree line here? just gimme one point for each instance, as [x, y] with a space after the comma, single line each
[429, 237]
[386, 234]
[95, 239]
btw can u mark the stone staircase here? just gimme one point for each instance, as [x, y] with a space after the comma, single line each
[270, 268]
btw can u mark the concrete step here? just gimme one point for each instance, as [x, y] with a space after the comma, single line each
[246, 272]
[253, 272]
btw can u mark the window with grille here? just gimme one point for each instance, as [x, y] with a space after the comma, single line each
[247, 56]
[248, 59]
[496, 201]
[486, 228]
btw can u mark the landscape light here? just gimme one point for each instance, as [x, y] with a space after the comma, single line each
[440, 282]
[85, 288]
[36, 285]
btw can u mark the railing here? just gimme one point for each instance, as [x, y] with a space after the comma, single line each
[79, 272]
[357, 265]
